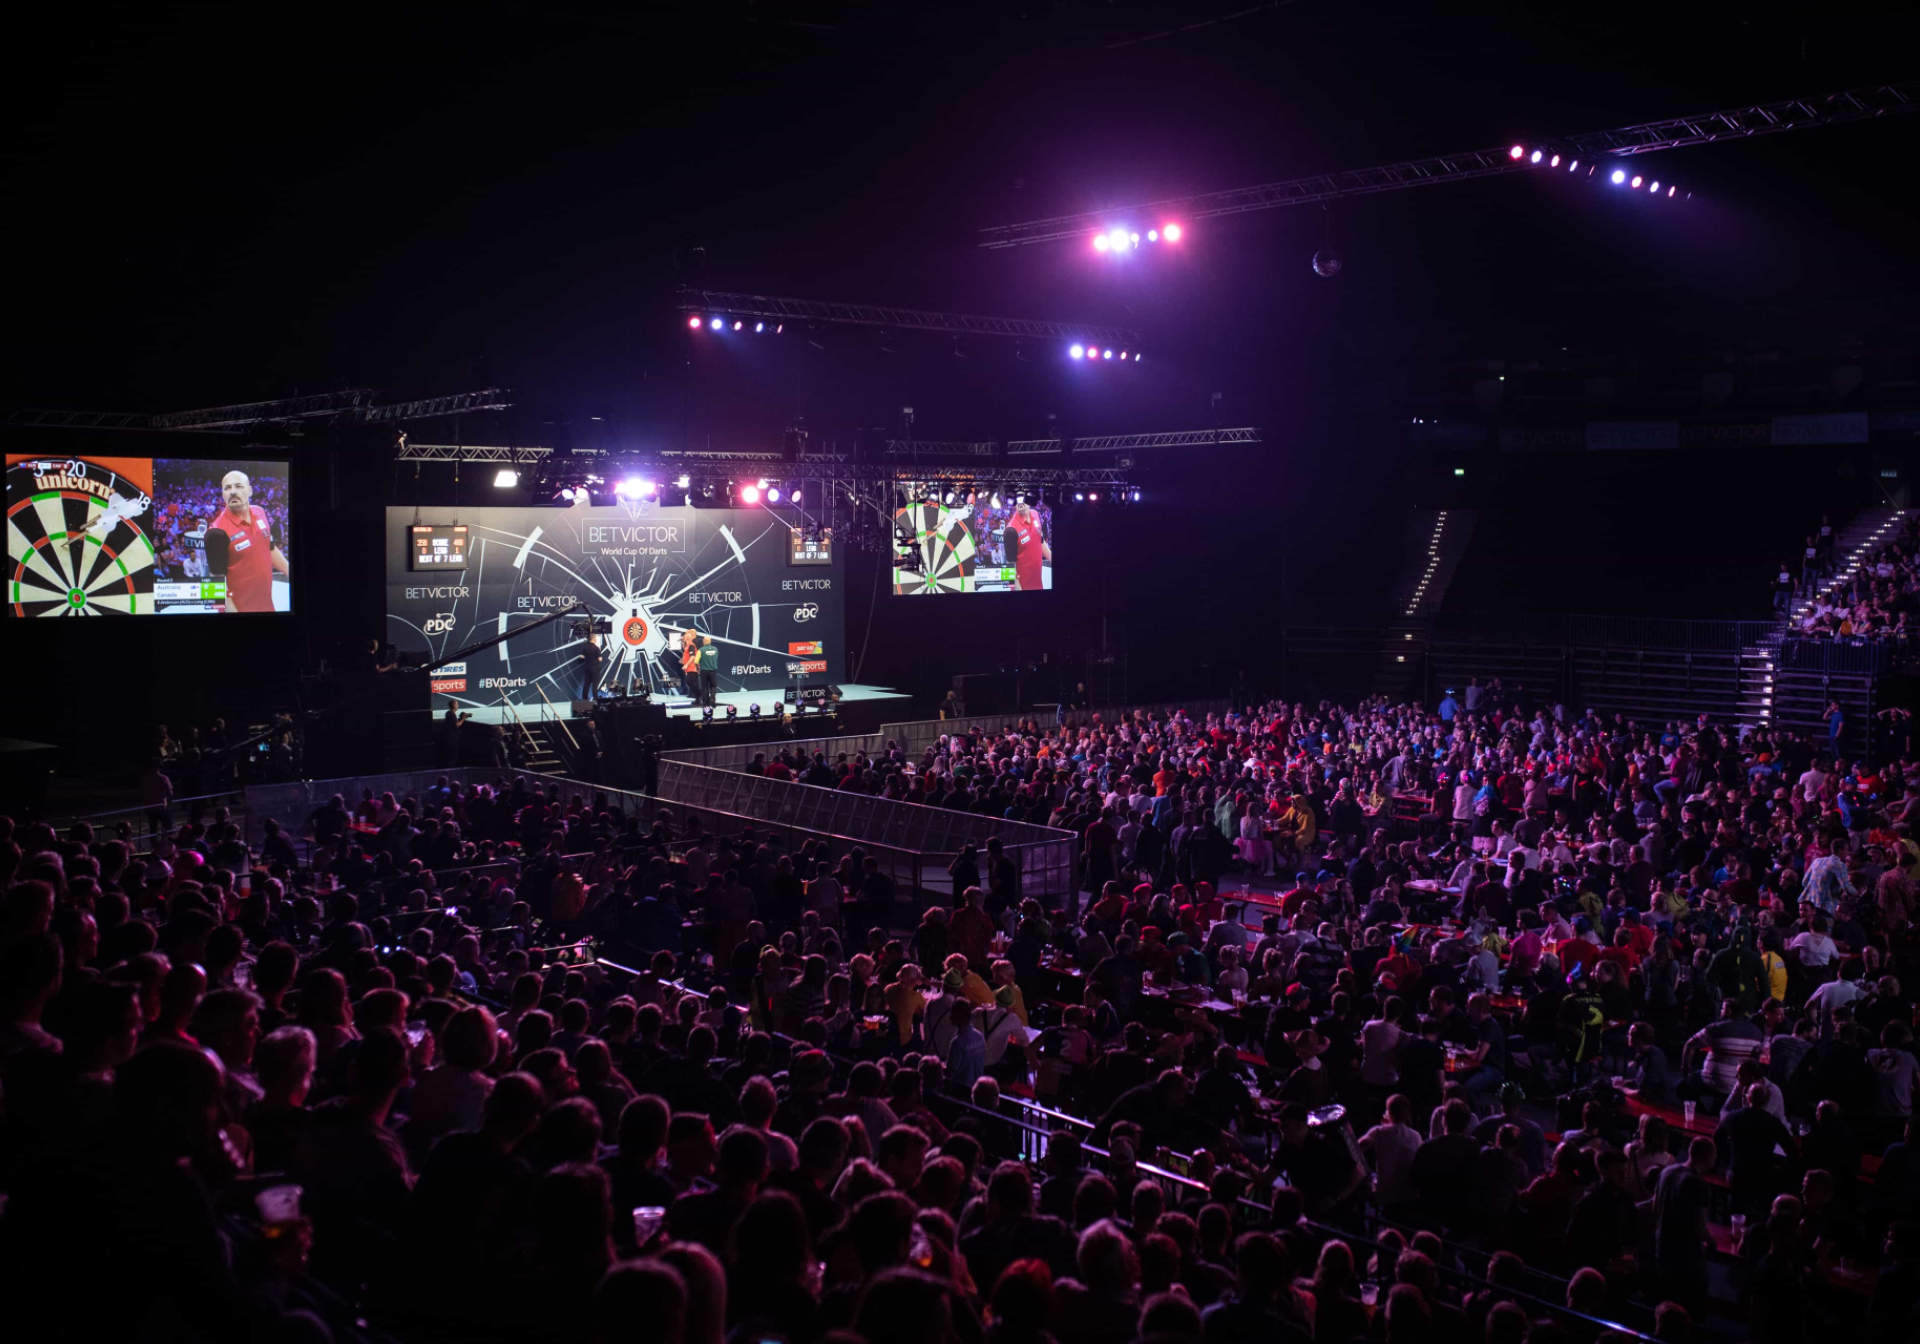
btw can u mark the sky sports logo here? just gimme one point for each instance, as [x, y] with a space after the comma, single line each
[806, 667]
[449, 685]
[806, 647]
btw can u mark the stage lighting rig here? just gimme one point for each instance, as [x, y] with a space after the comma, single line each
[1738, 123]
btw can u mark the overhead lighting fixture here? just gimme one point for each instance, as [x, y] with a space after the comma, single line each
[1171, 233]
[506, 478]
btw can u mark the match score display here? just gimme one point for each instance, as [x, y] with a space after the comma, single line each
[810, 546]
[437, 546]
[135, 536]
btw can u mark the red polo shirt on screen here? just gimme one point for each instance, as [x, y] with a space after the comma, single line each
[249, 559]
[1026, 564]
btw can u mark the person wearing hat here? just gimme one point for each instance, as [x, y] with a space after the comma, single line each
[1309, 1083]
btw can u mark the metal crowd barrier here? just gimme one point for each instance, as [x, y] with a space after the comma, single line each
[1045, 855]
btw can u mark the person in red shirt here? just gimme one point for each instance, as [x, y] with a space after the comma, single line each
[1032, 551]
[1578, 953]
[243, 546]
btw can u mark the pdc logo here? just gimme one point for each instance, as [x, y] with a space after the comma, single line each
[441, 624]
[805, 647]
[806, 611]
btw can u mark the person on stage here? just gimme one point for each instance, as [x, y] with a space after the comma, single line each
[590, 666]
[244, 547]
[690, 663]
[709, 671]
[1028, 548]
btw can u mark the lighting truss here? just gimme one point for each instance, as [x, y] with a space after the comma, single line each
[1737, 123]
[432, 408]
[899, 319]
[45, 419]
[263, 412]
[938, 448]
[351, 407]
[468, 452]
[817, 460]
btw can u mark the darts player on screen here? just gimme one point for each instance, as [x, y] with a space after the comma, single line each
[1027, 549]
[244, 547]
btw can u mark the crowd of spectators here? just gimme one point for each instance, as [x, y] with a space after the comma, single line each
[1871, 600]
[1624, 1018]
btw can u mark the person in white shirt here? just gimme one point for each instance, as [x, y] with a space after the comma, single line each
[1837, 993]
[1811, 782]
[1380, 1045]
[1814, 948]
[1393, 1143]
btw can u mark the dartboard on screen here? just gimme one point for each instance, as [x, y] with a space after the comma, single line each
[76, 543]
[944, 539]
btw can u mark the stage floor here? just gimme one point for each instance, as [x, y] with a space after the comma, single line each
[680, 707]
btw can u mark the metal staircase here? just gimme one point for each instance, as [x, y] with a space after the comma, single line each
[1772, 691]
[1434, 542]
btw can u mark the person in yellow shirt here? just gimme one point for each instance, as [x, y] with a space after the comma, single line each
[1007, 994]
[966, 983]
[1776, 966]
[905, 1001]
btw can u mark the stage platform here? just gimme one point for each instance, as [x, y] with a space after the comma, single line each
[679, 707]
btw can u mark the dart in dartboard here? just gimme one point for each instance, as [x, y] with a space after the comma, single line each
[944, 540]
[75, 541]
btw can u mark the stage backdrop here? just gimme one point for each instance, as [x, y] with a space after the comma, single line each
[653, 571]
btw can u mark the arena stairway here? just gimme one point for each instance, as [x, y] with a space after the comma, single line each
[1771, 691]
[1431, 546]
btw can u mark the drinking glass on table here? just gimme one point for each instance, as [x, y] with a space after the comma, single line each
[1687, 1109]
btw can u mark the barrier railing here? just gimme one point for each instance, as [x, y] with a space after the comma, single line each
[1045, 855]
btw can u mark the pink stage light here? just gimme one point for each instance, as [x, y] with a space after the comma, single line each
[749, 494]
[1518, 151]
[1100, 243]
[1171, 233]
[694, 323]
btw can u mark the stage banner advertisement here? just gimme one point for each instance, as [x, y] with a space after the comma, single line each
[652, 574]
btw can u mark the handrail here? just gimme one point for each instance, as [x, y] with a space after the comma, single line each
[572, 741]
[519, 722]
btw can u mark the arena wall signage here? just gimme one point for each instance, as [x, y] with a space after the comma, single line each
[648, 572]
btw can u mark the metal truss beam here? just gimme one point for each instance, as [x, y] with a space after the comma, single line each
[899, 319]
[468, 452]
[1179, 438]
[45, 419]
[430, 408]
[1737, 123]
[819, 462]
[938, 448]
[352, 407]
[262, 412]
[1740, 123]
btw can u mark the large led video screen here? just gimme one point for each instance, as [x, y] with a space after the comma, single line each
[653, 574]
[139, 536]
[979, 543]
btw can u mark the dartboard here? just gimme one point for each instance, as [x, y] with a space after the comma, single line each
[945, 540]
[75, 545]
